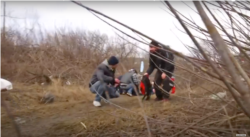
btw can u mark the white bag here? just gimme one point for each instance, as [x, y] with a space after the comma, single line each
[6, 84]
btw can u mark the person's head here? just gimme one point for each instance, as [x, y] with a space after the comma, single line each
[153, 47]
[133, 70]
[113, 62]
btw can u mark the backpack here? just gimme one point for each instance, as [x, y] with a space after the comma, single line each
[145, 87]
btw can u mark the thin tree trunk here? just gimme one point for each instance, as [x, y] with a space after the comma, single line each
[227, 57]
[4, 16]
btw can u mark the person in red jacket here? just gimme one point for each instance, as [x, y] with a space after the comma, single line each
[164, 70]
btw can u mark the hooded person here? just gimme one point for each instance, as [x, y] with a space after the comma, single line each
[104, 79]
[164, 70]
[128, 81]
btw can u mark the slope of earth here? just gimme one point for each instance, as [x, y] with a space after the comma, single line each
[64, 118]
[73, 115]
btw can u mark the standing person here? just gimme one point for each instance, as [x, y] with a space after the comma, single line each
[164, 70]
[128, 81]
[104, 79]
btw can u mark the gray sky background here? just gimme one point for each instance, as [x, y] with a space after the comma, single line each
[151, 18]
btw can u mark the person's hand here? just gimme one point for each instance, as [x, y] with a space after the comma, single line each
[146, 74]
[116, 84]
[117, 81]
[163, 75]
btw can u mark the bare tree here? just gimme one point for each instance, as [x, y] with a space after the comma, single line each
[239, 89]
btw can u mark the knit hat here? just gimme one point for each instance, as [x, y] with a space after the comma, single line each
[154, 43]
[113, 60]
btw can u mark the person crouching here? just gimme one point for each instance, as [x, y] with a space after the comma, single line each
[128, 81]
[103, 79]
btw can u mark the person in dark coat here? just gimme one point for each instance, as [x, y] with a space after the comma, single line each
[104, 79]
[164, 70]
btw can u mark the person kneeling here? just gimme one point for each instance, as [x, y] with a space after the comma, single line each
[103, 80]
[128, 81]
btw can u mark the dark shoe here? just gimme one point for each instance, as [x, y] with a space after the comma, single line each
[147, 98]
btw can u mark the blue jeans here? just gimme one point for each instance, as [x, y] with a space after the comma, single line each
[130, 88]
[99, 89]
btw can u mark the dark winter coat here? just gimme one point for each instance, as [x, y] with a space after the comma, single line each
[104, 74]
[164, 65]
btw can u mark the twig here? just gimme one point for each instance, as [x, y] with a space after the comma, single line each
[213, 122]
[204, 118]
[228, 59]
[229, 122]
[18, 132]
[197, 132]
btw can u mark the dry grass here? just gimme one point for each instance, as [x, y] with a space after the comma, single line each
[73, 105]
[73, 56]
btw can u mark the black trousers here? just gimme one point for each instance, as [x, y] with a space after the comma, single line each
[165, 84]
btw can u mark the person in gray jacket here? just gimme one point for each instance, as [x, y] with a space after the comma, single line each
[104, 79]
[128, 81]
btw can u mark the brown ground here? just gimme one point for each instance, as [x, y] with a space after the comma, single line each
[50, 119]
[74, 105]
[63, 117]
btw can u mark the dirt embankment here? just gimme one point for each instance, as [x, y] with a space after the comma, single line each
[73, 110]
